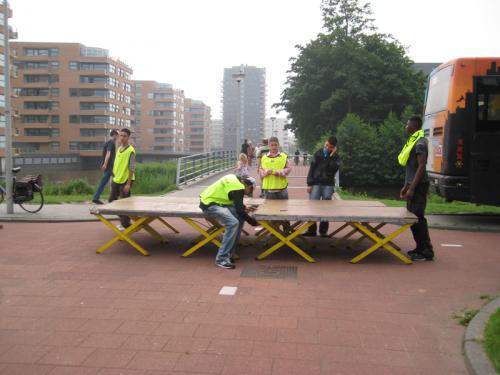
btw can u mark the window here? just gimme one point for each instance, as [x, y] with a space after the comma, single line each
[34, 119]
[163, 113]
[41, 51]
[93, 79]
[2, 79]
[54, 65]
[41, 105]
[77, 65]
[93, 132]
[31, 64]
[90, 119]
[164, 122]
[38, 132]
[2, 121]
[93, 52]
[163, 131]
[2, 141]
[55, 146]
[197, 115]
[54, 92]
[34, 92]
[165, 104]
[31, 78]
[163, 95]
[197, 130]
[163, 140]
[89, 92]
[437, 94]
[54, 119]
[197, 123]
[94, 106]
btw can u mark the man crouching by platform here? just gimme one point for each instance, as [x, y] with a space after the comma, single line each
[223, 201]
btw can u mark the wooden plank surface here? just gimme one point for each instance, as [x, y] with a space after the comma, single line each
[293, 210]
[330, 211]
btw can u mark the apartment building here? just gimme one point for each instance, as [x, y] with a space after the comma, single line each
[244, 104]
[3, 35]
[216, 135]
[68, 97]
[159, 116]
[197, 119]
[276, 127]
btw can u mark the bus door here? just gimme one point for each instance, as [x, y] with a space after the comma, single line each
[485, 147]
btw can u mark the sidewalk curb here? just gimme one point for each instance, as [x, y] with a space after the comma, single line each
[476, 360]
[464, 228]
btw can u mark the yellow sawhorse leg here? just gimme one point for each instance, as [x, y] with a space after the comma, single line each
[376, 231]
[168, 225]
[342, 240]
[209, 237]
[125, 235]
[380, 242]
[286, 240]
[151, 230]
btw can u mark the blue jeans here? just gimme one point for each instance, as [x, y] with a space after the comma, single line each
[228, 218]
[102, 184]
[283, 194]
[321, 192]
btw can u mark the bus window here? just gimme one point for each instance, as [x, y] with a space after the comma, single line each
[488, 105]
[437, 96]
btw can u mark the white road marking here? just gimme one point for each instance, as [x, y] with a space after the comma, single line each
[450, 245]
[228, 290]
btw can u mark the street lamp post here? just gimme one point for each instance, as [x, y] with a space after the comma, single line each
[272, 126]
[238, 77]
[8, 128]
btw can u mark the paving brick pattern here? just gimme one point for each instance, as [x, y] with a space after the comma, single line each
[66, 310]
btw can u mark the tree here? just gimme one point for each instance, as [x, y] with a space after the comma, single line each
[350, 68]
[358, 152]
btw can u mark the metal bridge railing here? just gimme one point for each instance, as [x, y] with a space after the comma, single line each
[193, 167]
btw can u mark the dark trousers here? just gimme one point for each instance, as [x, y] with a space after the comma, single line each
[117, 193]
[102, 184]
[420, 230]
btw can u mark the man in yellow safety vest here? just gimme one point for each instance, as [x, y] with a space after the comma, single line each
[223, 201]
[123, 172]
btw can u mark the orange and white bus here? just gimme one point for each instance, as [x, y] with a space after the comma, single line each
[462, 124]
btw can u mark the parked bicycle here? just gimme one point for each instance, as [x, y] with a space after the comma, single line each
[24, 190]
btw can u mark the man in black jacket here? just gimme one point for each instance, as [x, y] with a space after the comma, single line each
[321, 179]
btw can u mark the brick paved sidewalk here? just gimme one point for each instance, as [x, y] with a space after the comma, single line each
[66, 310]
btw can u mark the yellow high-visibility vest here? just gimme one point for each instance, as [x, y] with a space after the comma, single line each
[275, 164]
[218, 192]
[120, 167]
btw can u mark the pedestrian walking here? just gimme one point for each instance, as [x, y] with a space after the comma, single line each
[108, 158]
[321, 179]
[244, 147]
[223, 201]
[413, 157]
[123, 172]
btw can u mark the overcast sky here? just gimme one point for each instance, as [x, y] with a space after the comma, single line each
[189, 42]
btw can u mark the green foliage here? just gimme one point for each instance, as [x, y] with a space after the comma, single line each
[154, 178]
[75, 187]
[357, 143]
[150, 178]
[492, 339]
[391, 138]
[350, 68]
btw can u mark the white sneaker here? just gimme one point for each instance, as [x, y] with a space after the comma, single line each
[257, 228]
[120, 227]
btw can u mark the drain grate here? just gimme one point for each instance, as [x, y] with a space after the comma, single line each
[269, 272]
